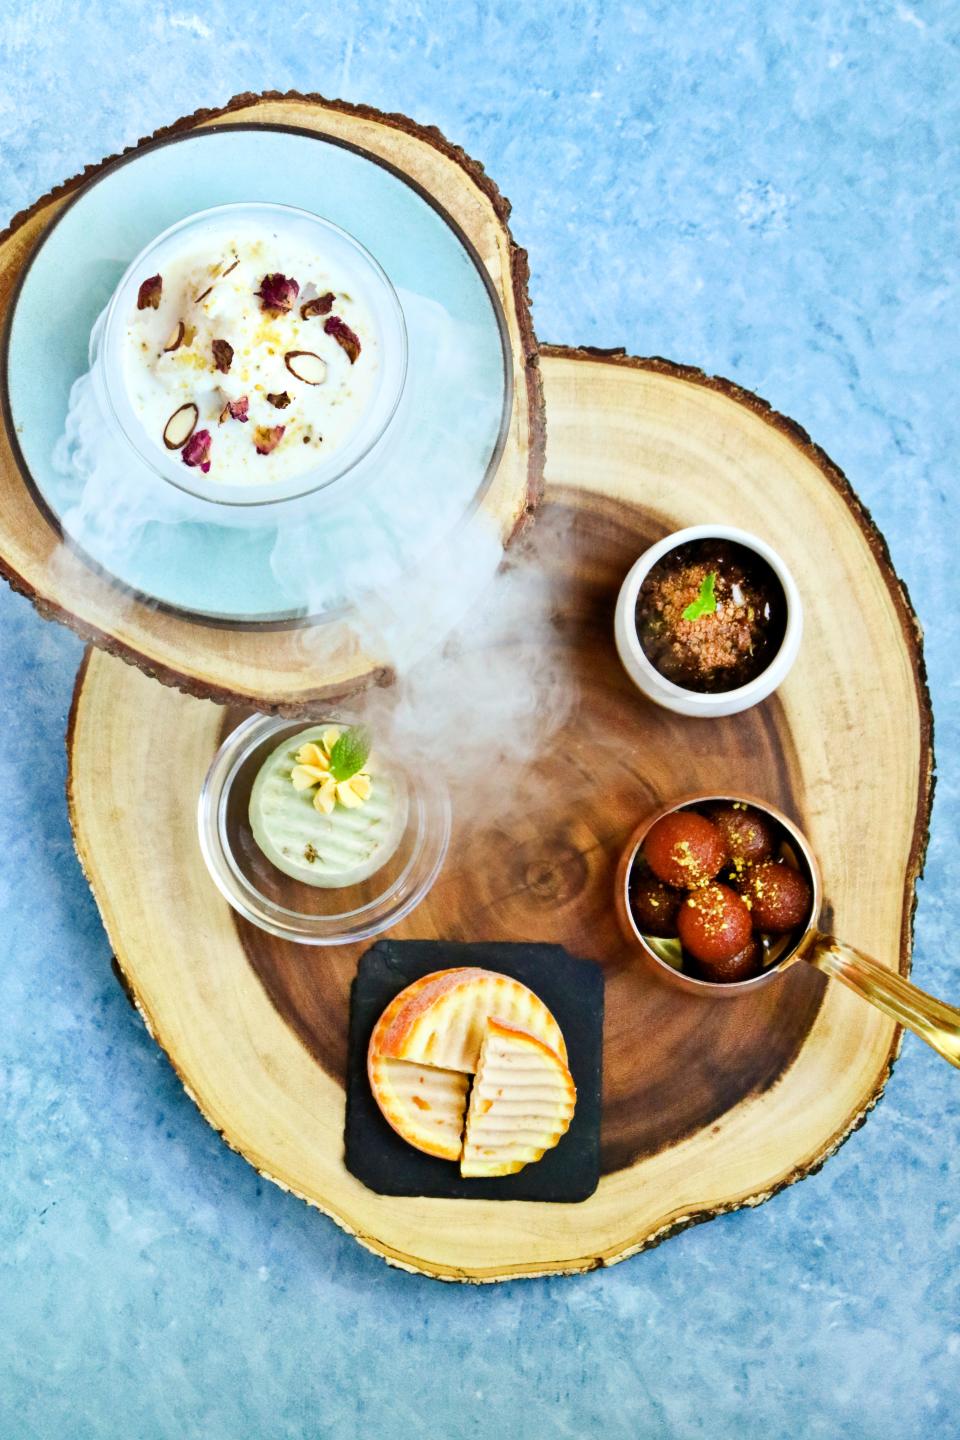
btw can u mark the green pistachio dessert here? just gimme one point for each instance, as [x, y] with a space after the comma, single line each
[322, 810]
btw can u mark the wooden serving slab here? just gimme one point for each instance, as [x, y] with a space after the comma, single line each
[707, 1105]
[266, 664]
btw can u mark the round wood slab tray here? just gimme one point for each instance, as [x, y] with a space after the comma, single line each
[264, 665]
[707, 1105]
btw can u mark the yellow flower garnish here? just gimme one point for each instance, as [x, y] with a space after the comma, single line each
[348, 796]
[326, 797]
[313, 769]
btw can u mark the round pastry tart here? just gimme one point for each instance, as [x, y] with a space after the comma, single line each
[462, 1023]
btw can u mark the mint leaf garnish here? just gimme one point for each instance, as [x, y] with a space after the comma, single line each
[350, 753]
[706, 601]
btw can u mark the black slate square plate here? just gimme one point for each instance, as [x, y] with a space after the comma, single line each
[573, 990]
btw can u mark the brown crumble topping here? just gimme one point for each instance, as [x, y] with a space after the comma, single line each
[723, 649]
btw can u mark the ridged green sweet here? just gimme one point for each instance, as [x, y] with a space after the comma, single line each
[347, 846]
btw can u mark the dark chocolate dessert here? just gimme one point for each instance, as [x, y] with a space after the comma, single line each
[711, 615]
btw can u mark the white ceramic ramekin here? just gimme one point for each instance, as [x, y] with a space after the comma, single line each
[692, 702]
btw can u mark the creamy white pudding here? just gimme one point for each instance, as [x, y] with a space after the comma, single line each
[250, 352]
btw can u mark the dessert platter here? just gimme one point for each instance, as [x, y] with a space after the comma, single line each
[531, 1071]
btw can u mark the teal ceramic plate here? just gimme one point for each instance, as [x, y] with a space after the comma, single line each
[443, 446]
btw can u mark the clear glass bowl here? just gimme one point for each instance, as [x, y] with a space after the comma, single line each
[339, 249]
[295, 911]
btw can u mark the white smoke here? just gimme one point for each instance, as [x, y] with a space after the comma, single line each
[481, 686]
[411, 575]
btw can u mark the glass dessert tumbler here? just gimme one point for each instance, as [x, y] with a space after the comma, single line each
[308, 914]
[345, 256]
[934, 1021]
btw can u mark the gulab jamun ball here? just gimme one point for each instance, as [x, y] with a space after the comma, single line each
[748, 834]
[714, 924]
[745, 965]
[654, 906]
[779, 897]
[684, 849]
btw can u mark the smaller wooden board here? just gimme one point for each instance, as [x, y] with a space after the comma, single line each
[267, 664]
[571, 989]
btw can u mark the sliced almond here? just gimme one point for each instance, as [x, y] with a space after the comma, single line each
[306, 366]
[180, 426]
[175, 339]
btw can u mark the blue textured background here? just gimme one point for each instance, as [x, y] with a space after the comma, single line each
[768, 191]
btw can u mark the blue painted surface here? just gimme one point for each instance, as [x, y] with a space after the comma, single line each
[768, 191]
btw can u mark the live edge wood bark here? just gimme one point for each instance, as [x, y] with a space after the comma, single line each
[707, 1106]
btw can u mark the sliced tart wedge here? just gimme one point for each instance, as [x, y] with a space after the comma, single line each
[424, 1105]
[521, 1103]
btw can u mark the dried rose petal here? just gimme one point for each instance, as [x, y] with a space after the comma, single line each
[281, 401]
[277, 293]
[222, 355]
[197, 450]
[267, 438]
[148, 296]
[236, 409]
[344, 337]
[321, 306]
